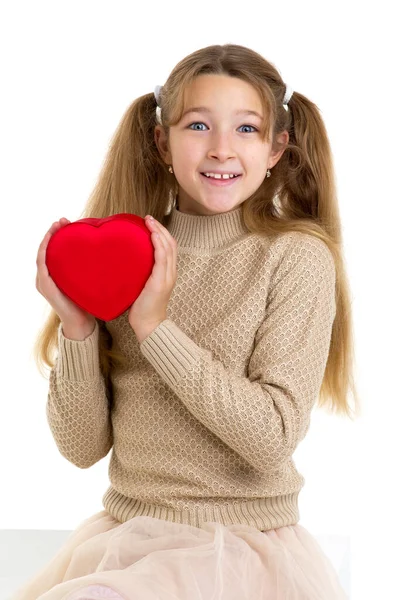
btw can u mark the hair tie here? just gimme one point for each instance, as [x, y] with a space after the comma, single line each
[287, 96]
[157, 91]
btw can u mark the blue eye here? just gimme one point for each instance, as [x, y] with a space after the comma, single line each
[201, 123]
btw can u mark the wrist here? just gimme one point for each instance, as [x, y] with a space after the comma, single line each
[143, 330]
[78, 333]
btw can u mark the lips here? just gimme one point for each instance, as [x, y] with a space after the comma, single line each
[236, 175]
[220, 182]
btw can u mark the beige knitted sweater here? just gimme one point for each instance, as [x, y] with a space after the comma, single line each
[213, 403]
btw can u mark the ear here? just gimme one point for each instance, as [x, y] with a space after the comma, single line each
[161, 141]
[282, 141]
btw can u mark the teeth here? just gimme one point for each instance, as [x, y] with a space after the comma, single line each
[218, 175]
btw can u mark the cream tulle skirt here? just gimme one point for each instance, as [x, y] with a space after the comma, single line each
[151, 559]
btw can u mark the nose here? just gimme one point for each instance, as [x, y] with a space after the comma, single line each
[221, 146]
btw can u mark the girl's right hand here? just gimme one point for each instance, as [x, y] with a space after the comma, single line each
[69, 312]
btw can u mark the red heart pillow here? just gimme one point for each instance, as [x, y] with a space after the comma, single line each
[102, 264]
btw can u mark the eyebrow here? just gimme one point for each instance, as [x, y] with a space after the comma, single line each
[199, 109]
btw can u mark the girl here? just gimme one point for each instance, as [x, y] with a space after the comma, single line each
[204, 388]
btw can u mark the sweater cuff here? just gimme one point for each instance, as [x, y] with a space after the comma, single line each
[171, 352]
[78, 360]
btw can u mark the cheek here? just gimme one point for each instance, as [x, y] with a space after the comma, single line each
[259, 161]
[190, 148]
[189, 158]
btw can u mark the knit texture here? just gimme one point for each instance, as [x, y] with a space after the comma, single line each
[212, 404]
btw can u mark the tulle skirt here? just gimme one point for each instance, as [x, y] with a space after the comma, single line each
[151, 559]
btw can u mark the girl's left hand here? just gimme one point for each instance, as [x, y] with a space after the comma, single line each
[150, 308]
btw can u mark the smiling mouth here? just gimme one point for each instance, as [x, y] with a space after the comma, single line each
[234, 175]
[220, 181]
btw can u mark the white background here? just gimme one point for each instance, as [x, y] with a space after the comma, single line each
[69, 72]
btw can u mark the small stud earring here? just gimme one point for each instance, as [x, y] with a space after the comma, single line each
[268, 173]
[170, 169]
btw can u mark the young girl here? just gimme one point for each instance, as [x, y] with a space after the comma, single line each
[204, 388]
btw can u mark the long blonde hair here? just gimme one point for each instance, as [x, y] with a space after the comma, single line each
[135, 179]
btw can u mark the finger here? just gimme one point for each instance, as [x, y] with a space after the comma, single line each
[170, 250]
[161, 258]
[165, 231]
[159, 243]
[169, 246]
[43, 245]
[175, 265]
[41, 255]
[42, 269]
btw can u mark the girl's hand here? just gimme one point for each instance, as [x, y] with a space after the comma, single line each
[150, 308]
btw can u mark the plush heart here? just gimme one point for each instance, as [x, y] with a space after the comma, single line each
[102, 264]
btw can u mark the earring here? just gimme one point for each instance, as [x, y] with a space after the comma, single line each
[268, 173]
[170, 169]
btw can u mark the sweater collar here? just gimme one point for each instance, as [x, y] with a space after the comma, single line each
[210, 231]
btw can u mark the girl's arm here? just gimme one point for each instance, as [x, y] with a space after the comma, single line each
[77, 405]
[262, 417]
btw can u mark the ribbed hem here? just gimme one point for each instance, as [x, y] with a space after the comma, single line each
[78, 360]
[171, 352]
[261, 513]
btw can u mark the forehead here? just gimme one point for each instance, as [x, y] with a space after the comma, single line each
[222, 92]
